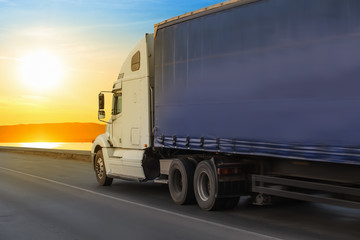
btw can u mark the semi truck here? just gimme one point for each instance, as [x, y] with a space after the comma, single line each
[252, 98]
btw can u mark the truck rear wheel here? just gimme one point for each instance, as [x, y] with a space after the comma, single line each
[181, 181]
[205, 185]
[100, 170]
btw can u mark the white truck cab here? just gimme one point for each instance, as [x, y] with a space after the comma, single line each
[119, 153]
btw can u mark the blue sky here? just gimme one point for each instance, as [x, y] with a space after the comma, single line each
[120, 18]
[89, 39]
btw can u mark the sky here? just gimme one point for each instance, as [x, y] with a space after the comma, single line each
[57, 55]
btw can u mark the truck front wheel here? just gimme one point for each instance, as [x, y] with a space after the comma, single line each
[181, 178]
[100, 170]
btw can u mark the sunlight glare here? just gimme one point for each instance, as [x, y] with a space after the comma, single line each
[40, 144]
[41, 70]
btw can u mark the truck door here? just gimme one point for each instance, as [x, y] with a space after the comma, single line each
[117, 120]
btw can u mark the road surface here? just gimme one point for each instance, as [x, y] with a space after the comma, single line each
[48, 198]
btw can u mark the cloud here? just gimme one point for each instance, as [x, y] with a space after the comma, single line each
[10, 58]
[117, 25]
[39, 32]
[8, 2]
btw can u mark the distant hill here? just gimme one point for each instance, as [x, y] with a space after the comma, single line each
[51, 132]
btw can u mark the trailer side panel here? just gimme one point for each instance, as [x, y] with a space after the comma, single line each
[273, 78]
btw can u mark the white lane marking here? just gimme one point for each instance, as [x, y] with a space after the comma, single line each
[147, 206]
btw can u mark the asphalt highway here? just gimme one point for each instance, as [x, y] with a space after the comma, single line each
[48, 198]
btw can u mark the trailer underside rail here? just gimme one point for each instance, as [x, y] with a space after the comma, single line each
[324, 192]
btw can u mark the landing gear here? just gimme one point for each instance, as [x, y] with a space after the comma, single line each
[262, 199]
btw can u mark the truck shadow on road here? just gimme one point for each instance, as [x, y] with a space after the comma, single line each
[285, 215]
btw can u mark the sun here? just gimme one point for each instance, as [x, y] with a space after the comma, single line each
[41, 70]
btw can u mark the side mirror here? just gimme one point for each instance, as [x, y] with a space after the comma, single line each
[101, 114]
[101, 102]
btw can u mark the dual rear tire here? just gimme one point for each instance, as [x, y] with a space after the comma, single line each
[206, 189]
[188, 183]
[181, 181]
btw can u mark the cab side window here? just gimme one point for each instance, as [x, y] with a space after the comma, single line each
[117, 104]
[135, 61]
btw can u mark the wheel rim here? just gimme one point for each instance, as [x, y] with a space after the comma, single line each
[100, 168]
[177, 181]
[204, 186]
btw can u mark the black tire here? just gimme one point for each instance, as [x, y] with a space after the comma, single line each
[100, 170]
[205, 187]
[181, 181]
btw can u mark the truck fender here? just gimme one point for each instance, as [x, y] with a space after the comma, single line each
[99, 143]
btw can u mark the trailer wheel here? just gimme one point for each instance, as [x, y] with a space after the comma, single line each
[100, 170]
[181, 181]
